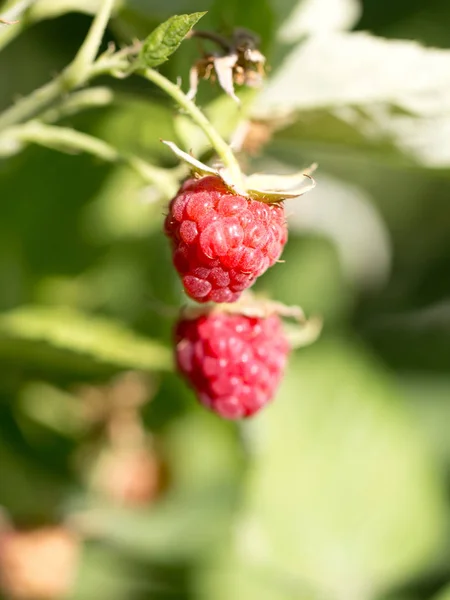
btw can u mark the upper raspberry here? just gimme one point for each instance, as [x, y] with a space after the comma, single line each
[222, 241]
[233, 362]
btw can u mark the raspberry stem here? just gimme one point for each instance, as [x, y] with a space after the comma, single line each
[218, 143]
[10, 17]
[87, 53]
[65, 138]
[81, 70]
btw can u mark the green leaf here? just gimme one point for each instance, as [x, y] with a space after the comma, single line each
[166, 38]
[69, 340]
[343, 498]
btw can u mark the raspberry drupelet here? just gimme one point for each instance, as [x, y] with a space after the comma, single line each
[233, 362]
[222, 241]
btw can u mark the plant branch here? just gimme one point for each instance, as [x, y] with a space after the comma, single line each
[62, 138]
[30, 105]
[78, 73]
[69, 140]
[12, 20]
[72, 104]
[86, 55]
[40, 99]
[221, 147]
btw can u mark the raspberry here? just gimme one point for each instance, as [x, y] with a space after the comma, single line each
[222, 241]
[233, 362]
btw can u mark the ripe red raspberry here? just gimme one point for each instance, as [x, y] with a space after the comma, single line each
[233, 362]
[222, 242]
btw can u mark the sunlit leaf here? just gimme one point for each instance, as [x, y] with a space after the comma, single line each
[166, 38]
[387, 90]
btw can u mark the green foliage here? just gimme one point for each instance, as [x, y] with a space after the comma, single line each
[350, 452]
[59, 336]
[166, 38]
[363, 508]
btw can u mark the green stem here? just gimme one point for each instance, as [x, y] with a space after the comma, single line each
[87, 53]
[13, 12]
[62, 138]
[8, 33]
[32, 104]
[221, 147]
[78, 73]
[41, 98]
[78, 101]
[66, 139]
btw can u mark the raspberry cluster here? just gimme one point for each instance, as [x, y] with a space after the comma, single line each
[234, 362]
[232, 355]
[222, 241]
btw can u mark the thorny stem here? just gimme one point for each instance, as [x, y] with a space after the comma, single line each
[221, 147]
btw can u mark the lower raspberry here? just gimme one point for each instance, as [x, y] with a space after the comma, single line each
[233, 362]
[222, 241]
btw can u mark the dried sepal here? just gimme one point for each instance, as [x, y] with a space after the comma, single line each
[299, 330]
[224, 67]
[261, 187]
[237, 62]
[195, 165]
[273, 188]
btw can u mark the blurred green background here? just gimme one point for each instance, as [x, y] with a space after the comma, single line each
[340, 490]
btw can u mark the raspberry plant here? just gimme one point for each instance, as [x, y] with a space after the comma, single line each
[226, 228]
[106, 461]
